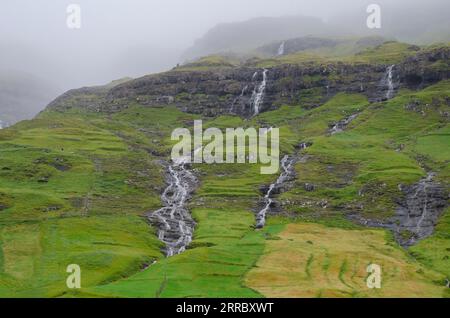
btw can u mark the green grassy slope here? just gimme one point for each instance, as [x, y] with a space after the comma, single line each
[74, 188]
[225, 246]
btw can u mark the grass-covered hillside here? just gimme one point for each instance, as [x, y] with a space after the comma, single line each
[77, 182]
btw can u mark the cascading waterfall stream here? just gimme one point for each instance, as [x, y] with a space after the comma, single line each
[174, 221]
[281, 48]
[258, 93]
[424, 210]
[421, 212]
[390, 82]
[423, 187]
[286, 166]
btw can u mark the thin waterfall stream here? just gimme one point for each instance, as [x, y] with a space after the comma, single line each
[287, 170]
[258, 93]
[287, 174]
[390, 82]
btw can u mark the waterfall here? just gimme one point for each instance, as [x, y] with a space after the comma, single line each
[419, 213]
[174, 222]
[281, 48]
[422, 187]
[258, 93]
[389, 82]
[424, 209]
[286, 166]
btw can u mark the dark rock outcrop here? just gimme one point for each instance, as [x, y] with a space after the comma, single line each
[417, 214]
[425, 68]
[341, 125]
[419, 211]
[231, 90]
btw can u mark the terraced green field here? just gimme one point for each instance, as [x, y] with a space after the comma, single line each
[310, 260]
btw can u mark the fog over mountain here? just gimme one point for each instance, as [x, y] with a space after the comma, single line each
[121, 38]
[399, 21]
[244, 36]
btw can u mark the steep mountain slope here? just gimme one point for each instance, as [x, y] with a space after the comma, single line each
[362, 132]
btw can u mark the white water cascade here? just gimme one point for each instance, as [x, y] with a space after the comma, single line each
[174, 222]
[281, 48]
[286, 166]
[390, 82]
[258, 93]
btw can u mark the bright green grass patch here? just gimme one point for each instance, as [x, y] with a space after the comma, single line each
[435, 145]
[35, 255]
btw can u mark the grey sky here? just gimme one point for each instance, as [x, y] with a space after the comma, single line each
[117, 36]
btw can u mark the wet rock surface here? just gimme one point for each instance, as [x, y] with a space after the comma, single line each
[341, 125]
[417, 213]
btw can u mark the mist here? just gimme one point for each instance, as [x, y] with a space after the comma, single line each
[131, 38]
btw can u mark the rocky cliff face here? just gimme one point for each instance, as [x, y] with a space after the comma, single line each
[424, 68]
[231, 90]
[217, 92]
[419, 211]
